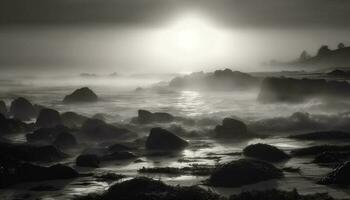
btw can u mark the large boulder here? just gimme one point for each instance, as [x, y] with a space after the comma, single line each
[22, 109]
[8, 126]
[48, 118]
[243, 172]
[84, 94]
[88, 160]
[72, 119]
[161, 139]
[3, 108]
[146, 117]
[265, 152]
[231, 129]
[65, 140]
[149, 189]
[99, 130]
[340, 175]
[31, 172]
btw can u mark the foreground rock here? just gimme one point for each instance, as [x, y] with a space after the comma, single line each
[146, 117]
[8, 126]
[161, 139]
[65, 140]
[265, 152]
[298, 90]
[48, 118]
[146, 188]
[88, 160]
[339, 176]
[323, 135]
[99, 130]
[22, 109]
[81, 95]
[243, 172]
[231, 129]
[3, 108]
[72, 119]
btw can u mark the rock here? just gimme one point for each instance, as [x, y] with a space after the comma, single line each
[339, 73]
[81, 95]
[88, 160]
[8, 126]
[3, 108]
[243, 172]
[331, 157]
[274, 89]
[146, 188]
[46, 135]
[265, 152]
[161, 139]
[30, 172]
[146, 117]
[27, 152]
[22, 109]
[323, 135]
[339, 176]
[99, 116]
[48, 118]
[38, 108]
[65, 140]
[72, 119]
[99, 130]
[121, 155]
[231, 128]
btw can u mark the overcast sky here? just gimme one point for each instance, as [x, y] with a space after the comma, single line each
[45, 34]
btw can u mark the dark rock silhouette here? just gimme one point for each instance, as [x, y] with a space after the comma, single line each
[8, 126]
[161, 139]
[65, 140]
[220, 80]
[231, 128]
[265, 152]
[26, 152]
[22, 109]
[340, 175]
[339, 73]
[46, 135]
[314, 150]
[146, 117]
[48, 118]
[298, 90]
[323, 135]
[88, 160]
[146, 188]
[119, 155]
[243, 172]
[99, 116]
[3, 108]
[72, 119]
[81, 95]
[97, 129]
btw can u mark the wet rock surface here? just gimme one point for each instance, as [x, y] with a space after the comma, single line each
[243, 172]
[265, 152]
[72, 119]
[81, 95]
[161, 139]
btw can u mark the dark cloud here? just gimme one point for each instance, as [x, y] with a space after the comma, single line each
[242, 13]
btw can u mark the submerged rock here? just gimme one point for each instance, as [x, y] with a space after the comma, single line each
[323, 135]
[65, 140]
[231, 128]
[84, 94]
[243, 172]
[339, 176]
[72, 119]
[3, 108]
[265, 152]
[88, 160]
[146, 117]
[97, 129]
[48, 118]
[161, 139]
[22, 109]
[146, 188]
